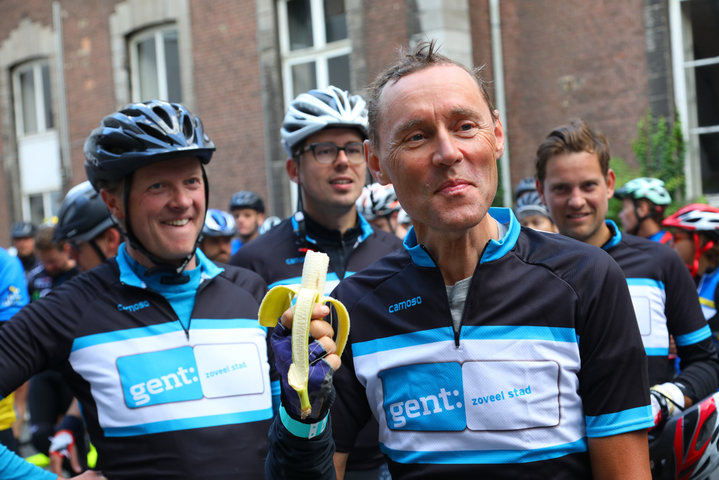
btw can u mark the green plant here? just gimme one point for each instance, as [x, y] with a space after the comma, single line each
[659, 148]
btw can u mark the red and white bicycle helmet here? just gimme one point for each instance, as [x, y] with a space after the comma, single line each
[685, 448]
[697, 218]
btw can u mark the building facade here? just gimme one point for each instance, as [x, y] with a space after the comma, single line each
[64, 64]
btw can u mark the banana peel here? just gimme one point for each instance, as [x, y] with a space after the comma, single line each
[305, 295]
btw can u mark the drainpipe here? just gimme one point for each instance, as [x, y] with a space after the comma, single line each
[62, 119]
[498, 69]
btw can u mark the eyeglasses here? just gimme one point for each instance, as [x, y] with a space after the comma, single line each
[326, 152]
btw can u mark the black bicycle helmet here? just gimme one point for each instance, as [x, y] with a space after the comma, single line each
[142, 134]
[83, 215]
[247, 199]
[22, 230]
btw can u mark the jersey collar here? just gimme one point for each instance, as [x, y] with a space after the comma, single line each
[616, 235]
[128, 267]
[494, 250]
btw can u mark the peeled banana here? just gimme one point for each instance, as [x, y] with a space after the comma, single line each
[309, 292]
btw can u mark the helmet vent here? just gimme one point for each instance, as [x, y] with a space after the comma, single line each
[187, 129]
[160, 112]
[154, 133]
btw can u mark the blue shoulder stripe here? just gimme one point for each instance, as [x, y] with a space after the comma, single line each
[693, 337]
[620, 422]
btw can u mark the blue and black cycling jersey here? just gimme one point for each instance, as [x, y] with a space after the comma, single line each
[665, 303]
[160, 399]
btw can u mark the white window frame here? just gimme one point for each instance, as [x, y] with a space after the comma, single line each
[161, 65]
[36, 67]
[685, 95]
[320, 52]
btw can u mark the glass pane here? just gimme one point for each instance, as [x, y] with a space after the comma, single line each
[709, 154]
[27, 98]
[299, 18]
[47, 97]
[147, 62]
[37, 212]
[335, 20]
[55, 201]
[707, 86]
[704, 16]
[304, 78]
[339, 69]
[172, 67]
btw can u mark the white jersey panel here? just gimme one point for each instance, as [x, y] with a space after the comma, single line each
[649, 300]
[520, 391]
[169, 382]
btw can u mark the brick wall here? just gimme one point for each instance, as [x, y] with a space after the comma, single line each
[565, 60]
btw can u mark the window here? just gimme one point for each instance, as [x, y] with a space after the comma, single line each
[37, 141]
[695, 41]
[33, 102]
[155, 65]
[315, 45]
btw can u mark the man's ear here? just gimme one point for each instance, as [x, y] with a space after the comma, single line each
[370, 155]
[113, 239]
[643, 208]
[611, 181]
[293, 169]
[114, 204]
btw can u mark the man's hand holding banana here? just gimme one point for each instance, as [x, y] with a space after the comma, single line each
[306, 353]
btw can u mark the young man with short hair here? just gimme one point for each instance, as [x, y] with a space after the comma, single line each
[576, 183]
[322, 134]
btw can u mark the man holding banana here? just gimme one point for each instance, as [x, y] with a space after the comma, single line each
[484, 350]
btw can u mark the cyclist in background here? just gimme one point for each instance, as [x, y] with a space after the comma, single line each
[532, 212]
[217, 235]
[643, 203]
[248, 210]
[13, 296]
[695, 229]
[22, 238]
[49, 395]
[378, 205]
[322, 134]
[576, 183]
[87, 226]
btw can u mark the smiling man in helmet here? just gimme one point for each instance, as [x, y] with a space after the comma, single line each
[160, 346]
[322, 133]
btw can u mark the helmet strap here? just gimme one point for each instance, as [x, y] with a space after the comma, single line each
[640, 219]
[698, 251]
